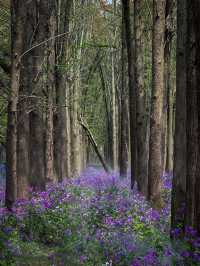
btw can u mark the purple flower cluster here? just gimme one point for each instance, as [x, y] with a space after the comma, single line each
[101, 208]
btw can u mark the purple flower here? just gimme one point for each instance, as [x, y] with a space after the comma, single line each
[185, 254]
[176, 232]
[136, 262]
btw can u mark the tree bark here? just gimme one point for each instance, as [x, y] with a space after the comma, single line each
[155, 151]
[142, 139]
[124, 127]
[132, 90]
[169, 84]
[17, 30]
[49, 13]
[61, 151]
[180, 169]
[196, 16]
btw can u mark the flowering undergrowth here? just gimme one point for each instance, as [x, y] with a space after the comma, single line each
[92, 220]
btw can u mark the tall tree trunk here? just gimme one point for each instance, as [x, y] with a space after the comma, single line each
[17, 30]
[155, 151]
[169, 84]
[142, 140]
[196, 15]
[180, 169]
[61, 151]
[192, 117]
[114, 115]
[132, 91]
[49, 13]
[124, 127]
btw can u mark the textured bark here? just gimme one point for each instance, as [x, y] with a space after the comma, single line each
[155, 151]
[26, 88]
[37, 156]
[114, 115]
[49, 14]
[17, 30]
[114, 103]
[61, 151]
[179, 180]
[124, 140]
[132, 91]
[196, 15]
[68, 133]
[192, 117]
[22, 151]
[169, 84]
[142, 140]
[108, 151]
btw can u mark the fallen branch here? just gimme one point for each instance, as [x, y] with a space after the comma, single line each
[94, 144]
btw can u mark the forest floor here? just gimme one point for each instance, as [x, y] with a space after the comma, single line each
[93, 220]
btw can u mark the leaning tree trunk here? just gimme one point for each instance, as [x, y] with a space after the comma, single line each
[155, 154]
[179, 179]
[17, 30]
[142, 140]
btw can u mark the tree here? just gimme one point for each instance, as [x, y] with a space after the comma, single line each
[17, 30]
[132, 91]
[180, 168]
[61, 116]
[155, 153]
[124, 108]
[141, 105]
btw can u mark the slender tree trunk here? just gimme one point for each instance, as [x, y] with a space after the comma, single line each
[124, 127]
[180, 169]
[17, 30]
[49, 13]
[169, 84]
[155, 151]
[114, 103]
[68, 133]
[114, 115]
[132, 91]
[142, 141]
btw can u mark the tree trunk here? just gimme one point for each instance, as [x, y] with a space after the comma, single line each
[124, 127]
[114, 115]
[49, 13]
[132, 91]
[155, 151]
[196, 16]
[142, 140]
[192, 117]
[169, 84]
[17, 30]
[61, 151]
[180, 169]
